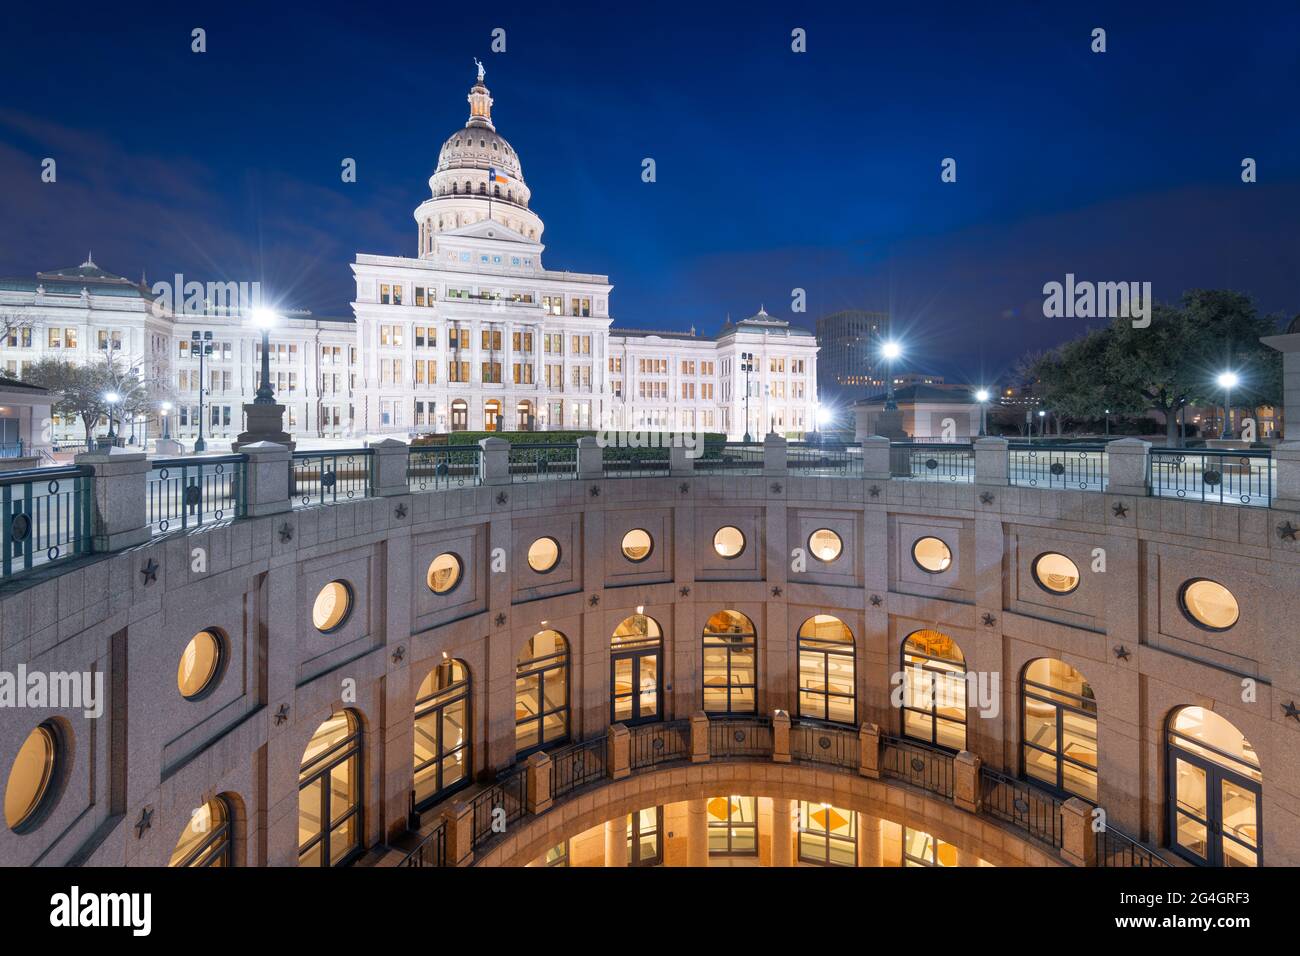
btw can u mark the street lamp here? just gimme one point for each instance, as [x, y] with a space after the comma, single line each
[1227, 381]
[1042, 423]
[166, 408]
[265, 319]
[1108, 423]
[111, 399]
[747, 366]
[200, 347]
[890, 350]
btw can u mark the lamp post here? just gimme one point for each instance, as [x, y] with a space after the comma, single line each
[200, 347]
[1042, 424]
[166, 409]
[265, 319]
[1227, 381]
[747, 366]
[111, 399]
[890, 350]
[982, 396]
[1108, 423]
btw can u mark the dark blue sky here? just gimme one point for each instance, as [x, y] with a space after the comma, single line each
[776, 170]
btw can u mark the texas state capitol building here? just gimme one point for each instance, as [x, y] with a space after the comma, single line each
[471, 334]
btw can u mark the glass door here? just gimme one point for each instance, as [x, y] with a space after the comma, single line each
[1215, 812]
[634, 687]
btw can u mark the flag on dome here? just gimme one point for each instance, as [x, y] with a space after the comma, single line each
[496, 176]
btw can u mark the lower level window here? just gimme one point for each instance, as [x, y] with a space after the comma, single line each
[921, 849]
[733, 826]
[205, 841]
[828, 836]
[645, 845]
[329, 794]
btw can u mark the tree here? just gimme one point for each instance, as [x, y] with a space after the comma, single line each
[80, 389]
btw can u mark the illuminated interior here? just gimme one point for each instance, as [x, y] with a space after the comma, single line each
[329, 793]
[826, 670]
[199, 664]
[1209, 604]
[730, 673]
[1060, 728]
[934, 689]
[444, 573]
[931, 555]
[332, 606]
[542, 692]
[1056, 573]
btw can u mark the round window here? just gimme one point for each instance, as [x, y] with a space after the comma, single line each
[543, 555]
[1209, 604]
[1056, 573]
[196, 674]
[444, 573]
[931, 555]
[728, 541]
[333, 604]
[30, 776]
[637, 544]
[825, 544]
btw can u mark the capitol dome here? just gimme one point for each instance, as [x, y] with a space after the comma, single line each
[478, 178]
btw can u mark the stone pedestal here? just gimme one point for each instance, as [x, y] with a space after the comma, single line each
[1078, 842]
[118, 494]
[699, 737]
[537, 780]
[265, 423]
[680, 462]
[168, 448]
[781, 737]
[875, 458]
[1127, 462]
[992, 461]
[1287, 493]
[966, 782]
[459, 833]
[889, 424]
[616, 842]
[1289, 345]
[388, 461]
[591, 458]
[618, 752]
[266, 479]
[774, 461]
[494, 462]
[869, 751]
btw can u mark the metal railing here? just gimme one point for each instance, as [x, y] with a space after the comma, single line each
[635, 462]
[1014, 801]
[1115, 848]
[825, 745]
[652, 744]
[577, 765]
[324, 477]
[1079, 467]
[189, 492]
[730, 458]
[740, 737]
[932, 461]
[45, 515]
[916, 763]
[542, 462]
[431, 850]
[829, 459]
[508, 794]
[1221, 475]
[433, 467]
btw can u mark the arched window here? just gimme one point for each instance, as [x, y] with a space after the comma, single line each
[1215, 817]
[1060, 728]
[496, 191]
[826, 671]
[329, 793]
[542, 692]
[730, 664]
[934, 689]
[442, 733]
[205, 839]
[635, 659]
[469, 187]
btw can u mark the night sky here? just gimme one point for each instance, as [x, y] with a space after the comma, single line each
[775, 170]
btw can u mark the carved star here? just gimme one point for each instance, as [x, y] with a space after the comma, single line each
[501, 620]
[594, 600]
[1288, 531]
[986, 497]
[502, 498]
[400, 510]
[1122, 652]
[877, 600]
[1289, 709]
[144, 823]
[684, 488]
[988, 619]
[399, 654]
[776, 487]
[595, 491]
[281, 715]
[685, 592]
[286, 532]
[150, 572]
[1119, 510]
[874, 491]
[776, 592]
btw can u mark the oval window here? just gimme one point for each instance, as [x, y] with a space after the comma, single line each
[1209, 604]
[931, 555]
[196, 673]
[728, 541]
[332, 606]
[1055, 573]
[637, 544]
[30, 776]
[825, 544]
[444, 573]
[543, 554]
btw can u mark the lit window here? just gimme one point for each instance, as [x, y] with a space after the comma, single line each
[645, 846]
[1215, 795]
[1055, 573]
[199, 665]
[934, 689]
[921, 849]
[730, 675]
[444, 573]
[637, 545]
[333, 604]
[542, 692]
[828, 836]
[1060, 727]
[442, 733]
[733, 826]
[543, 555]
[636, 652]
[29, 786]
[728, 541]
[826, 670]
[931, 555]
[329, 793]
[1209, 604]
[825, 545]
[205, 840]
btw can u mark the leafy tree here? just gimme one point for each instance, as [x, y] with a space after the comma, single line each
[79, 388]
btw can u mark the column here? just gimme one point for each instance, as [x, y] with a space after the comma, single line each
[870, 851]
[697, 833]
[782, 844]
[616, 842]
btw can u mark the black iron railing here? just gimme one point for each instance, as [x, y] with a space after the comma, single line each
[1014, 801]
[916, 763]
[431, 468]
[1115, 848]
[499, 805]
[542, 462]
[824, 459]
[324, 477]
[932, 461]
[190, 492]
[740, 737]
[45, 515]
[635, 462]
[1080, 467]
[432, 849]
[1225, 476]
[577, 765]
[652, 744]
[836, 746]
[730, 458]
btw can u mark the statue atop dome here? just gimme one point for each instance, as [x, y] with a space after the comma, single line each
[481, 72]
